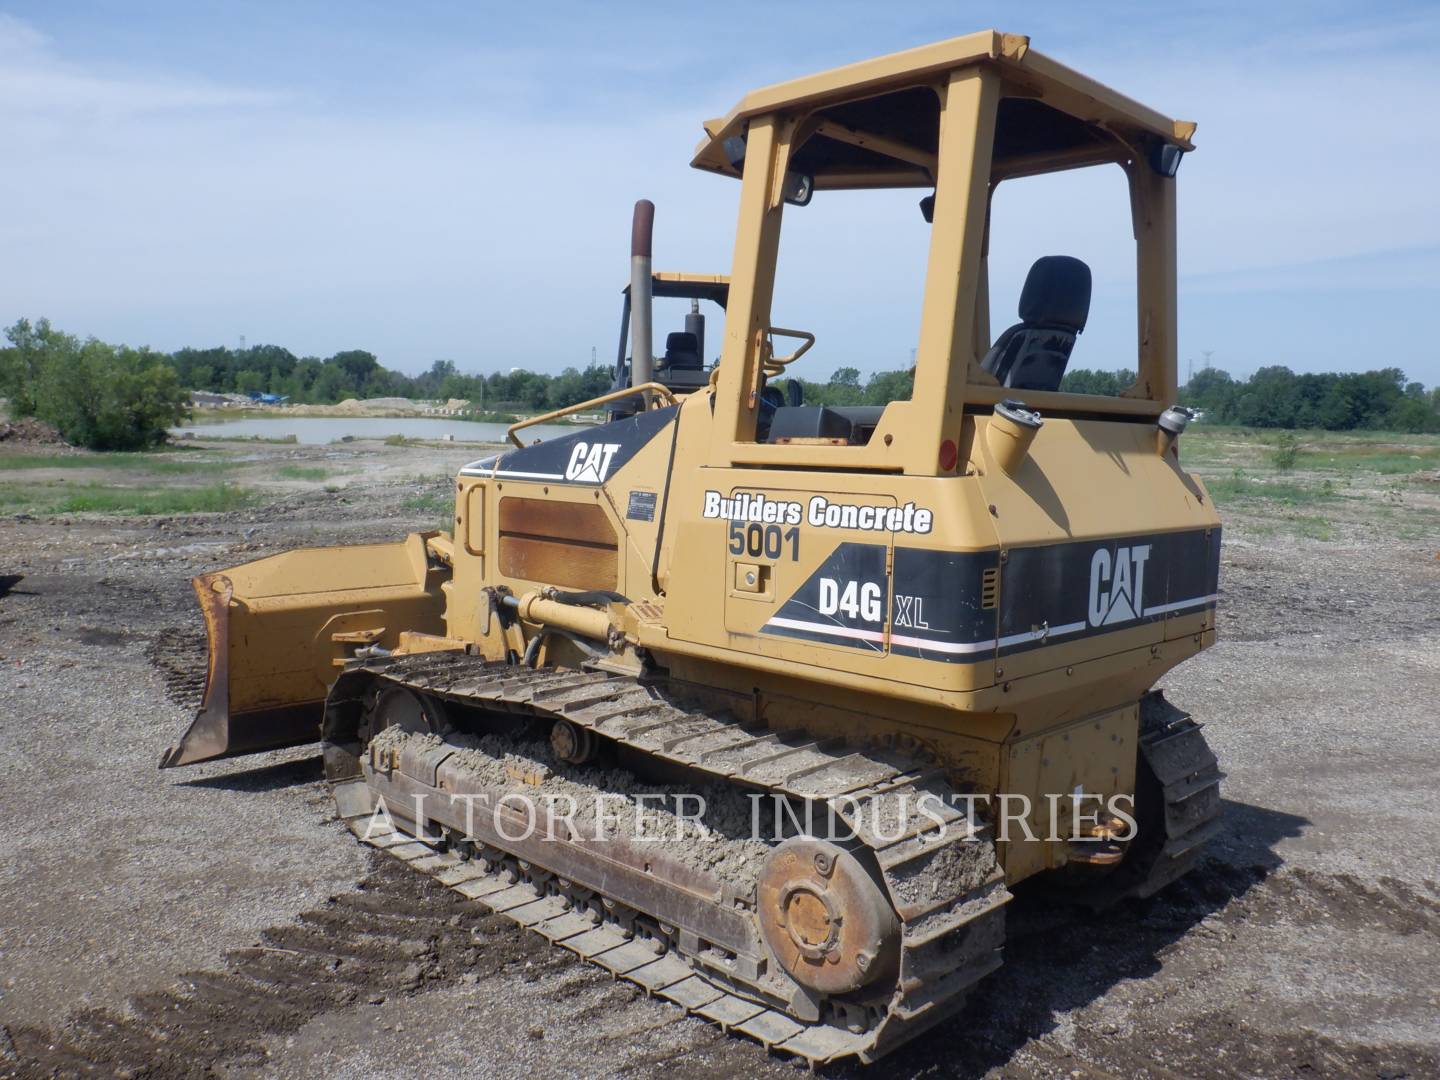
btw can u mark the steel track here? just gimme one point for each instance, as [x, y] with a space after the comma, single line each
[945, 884]
[698, 945]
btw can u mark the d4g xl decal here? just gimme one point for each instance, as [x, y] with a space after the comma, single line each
[937, 608]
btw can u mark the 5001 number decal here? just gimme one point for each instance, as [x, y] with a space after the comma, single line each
[763, 541]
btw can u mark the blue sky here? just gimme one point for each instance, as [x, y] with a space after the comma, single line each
[454, 181]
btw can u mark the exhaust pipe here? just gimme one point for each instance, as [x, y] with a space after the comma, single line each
[1171, 425]
[695, 324]
[642, 355]
[1012, 429]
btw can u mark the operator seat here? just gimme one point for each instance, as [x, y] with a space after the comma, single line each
[682, 352]
[1054, 304]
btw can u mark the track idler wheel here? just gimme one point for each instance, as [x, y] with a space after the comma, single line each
[572, 743]
[397, 706]
[827, 920]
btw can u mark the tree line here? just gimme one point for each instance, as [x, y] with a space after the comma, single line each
[1276, 397]
[116, 397]
[355, 373]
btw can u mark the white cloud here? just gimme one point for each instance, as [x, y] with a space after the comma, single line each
[36, 84]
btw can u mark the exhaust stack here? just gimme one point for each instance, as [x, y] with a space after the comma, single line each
[642, 355]
[695, 324]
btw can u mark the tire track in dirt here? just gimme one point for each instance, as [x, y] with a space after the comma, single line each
[1037, 1016]
[397, 934]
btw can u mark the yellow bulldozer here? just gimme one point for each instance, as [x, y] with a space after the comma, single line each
[768, 706]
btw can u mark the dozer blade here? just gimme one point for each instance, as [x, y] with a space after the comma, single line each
[281, 628]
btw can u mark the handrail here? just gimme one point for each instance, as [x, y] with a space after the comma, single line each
[659, 389]
[806, 338]
[769, 364]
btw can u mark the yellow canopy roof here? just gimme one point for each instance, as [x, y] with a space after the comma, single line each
[876, 119]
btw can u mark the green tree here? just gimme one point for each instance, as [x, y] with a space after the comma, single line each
[568, 388]
[359, 368]
[1416, 415]
[1086, 381]
[33, 349]
[330, 385]
[431, 383]
[884, 387]
[106, 397]
[1269, 399]
[1214, 391]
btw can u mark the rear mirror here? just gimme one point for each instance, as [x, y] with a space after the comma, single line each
[1165, 158]
[734, 148]
[798, 188]
[927, 209]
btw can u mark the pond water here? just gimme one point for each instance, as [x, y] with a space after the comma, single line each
[318, 430]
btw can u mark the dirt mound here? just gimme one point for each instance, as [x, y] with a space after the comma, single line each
[27, 431]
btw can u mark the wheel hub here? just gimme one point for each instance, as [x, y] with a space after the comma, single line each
[572, 744]
[827, 920]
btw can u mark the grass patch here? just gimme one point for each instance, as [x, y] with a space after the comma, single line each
[1364, 459]
[96, 499]
[436, 506]
[439, 502]
[1312, 528]
[284, 440]
[400, 440]
[1286, 452]
[302, 472]
[1381, 452]
[1239, 487]
[491, 417]
[151, 463]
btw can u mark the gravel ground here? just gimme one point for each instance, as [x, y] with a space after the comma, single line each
[141, 908]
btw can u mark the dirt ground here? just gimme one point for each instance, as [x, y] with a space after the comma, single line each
[217, 921]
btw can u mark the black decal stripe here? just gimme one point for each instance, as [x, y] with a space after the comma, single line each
[801, 615]
[547, 461]
[665, 505]
[1045, 595]
[1045, 592]
[941, 590]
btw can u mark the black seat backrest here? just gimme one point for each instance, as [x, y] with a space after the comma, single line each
[682, 350]
[1054, 305]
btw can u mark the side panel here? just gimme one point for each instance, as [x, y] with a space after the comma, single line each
[1106, 545]
[1069, 592]
[582, 511]
[879, 584]
[567, 544]
[1095, 756]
